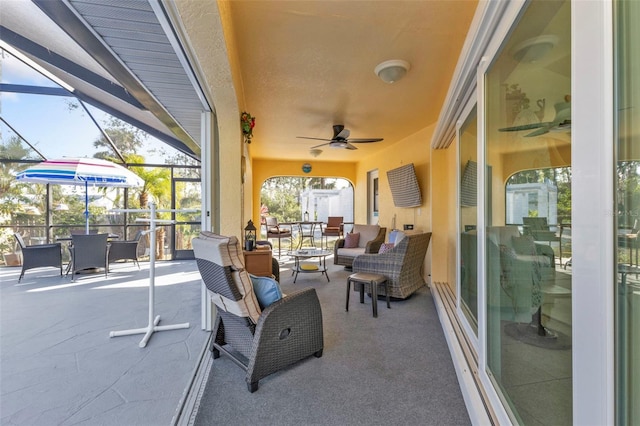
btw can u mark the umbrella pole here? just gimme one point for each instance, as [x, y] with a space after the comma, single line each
[86, 207]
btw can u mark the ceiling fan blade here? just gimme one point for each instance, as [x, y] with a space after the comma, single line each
[343, 134]
[318, 146]
[523, 127]
[366, 140]
[349, 146]
[537, 132]
[315, 139]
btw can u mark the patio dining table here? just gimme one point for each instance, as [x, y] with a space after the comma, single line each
[306, 230]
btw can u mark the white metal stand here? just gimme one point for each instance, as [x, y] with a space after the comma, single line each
[152, 326]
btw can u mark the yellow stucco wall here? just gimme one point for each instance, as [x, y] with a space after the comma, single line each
[413, 149]
[263, 169]
[219, 71]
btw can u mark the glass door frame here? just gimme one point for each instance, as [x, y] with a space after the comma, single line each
[593, 218]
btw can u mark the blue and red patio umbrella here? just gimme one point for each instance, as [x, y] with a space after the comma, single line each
[81, 171]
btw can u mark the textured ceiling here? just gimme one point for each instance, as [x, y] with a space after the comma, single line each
[307, 65]
[299, 66]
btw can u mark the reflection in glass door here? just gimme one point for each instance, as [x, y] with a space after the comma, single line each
[628, 203]
[468, 219]
[527, 110]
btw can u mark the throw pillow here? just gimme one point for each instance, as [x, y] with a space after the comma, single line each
[385, 247]
[267, 290]
[524, 245]
[351, 240]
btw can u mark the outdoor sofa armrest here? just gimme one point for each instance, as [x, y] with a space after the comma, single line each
[388, 264]
[373, 246]
[546, 250]
[339, 244]
[288, 330]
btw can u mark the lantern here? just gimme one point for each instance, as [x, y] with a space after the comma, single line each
[249, 236]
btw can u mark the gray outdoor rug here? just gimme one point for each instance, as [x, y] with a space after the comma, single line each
[394, 369]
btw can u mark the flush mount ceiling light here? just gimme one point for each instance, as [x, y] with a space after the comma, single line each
[315, 152]
[534, 49]
[392, 70]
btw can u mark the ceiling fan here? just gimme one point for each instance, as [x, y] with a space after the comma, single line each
[561, 122]
[341, 139]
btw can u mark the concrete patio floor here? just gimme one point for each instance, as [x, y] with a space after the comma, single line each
[58, 365]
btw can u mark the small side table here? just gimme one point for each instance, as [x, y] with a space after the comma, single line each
[374, 280]
[258, 262]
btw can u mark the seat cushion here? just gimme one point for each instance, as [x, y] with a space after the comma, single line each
[367, 233]
[278, 231]
[227, 252]
[350, 252]
[524, 245]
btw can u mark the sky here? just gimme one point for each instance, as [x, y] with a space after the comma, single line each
[47, 122]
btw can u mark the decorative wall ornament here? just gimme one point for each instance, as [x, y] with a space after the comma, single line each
[248, 123]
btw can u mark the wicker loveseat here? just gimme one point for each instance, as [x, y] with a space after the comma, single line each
[261, 341]
[371, 238]
[402, 265]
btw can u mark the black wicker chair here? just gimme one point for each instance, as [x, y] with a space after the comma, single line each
[39, 256]
[125, 250]
[88, 251]
[260, 342]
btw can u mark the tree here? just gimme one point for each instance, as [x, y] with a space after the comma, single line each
[10, 193]
[126, 138]
[178, 158]
[157, 184]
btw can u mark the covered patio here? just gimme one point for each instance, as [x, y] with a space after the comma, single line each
[59, 365]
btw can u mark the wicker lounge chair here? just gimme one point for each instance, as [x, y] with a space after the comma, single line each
[371, 238]
[125, 250]
[88, 251]
[259, 341]
[38, 256]
[402, 265]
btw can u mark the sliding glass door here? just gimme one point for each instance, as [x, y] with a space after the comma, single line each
[527, 211]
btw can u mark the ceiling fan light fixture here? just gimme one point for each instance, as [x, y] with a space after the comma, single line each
[534, 49]
[338, 144]
[315, 152]
[392, 70]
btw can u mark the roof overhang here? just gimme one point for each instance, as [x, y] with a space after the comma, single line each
[122, 57]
